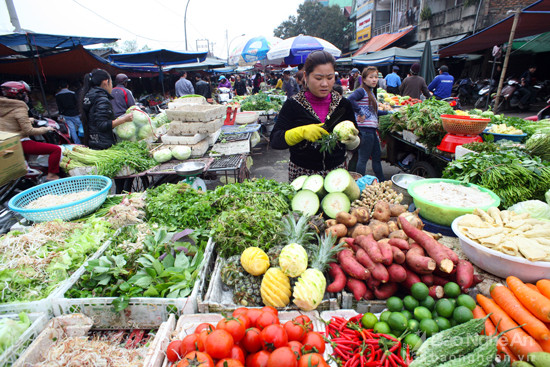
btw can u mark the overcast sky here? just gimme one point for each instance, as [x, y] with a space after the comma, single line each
[156, 23]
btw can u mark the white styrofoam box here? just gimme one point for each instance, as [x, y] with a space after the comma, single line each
[231, 147]
[197, 150]
[410, 136]
[246, 117]
[92, 170]
[461, 152]
[197, 113]
[186, 101]
[183, 140]
[12, 353]
[178, 128]
[213, 137]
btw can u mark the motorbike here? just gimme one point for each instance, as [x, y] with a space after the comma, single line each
[485, 89]
[454, 102]
[542, 114]
[466, 91]
[151, 106]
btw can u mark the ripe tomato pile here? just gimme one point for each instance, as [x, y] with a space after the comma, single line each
[251, 337]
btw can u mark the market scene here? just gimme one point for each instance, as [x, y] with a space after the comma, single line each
[342, 183]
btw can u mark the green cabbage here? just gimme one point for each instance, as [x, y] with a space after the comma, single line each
[145, 131]
[162, 155]
[126, 131]
[181, 152]
[11, 330]
[293, 260]
[140, 118]
[160, 119]
[345, 130]
[536, 208]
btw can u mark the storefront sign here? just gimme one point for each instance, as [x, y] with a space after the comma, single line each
[363, 6]
[363, 28]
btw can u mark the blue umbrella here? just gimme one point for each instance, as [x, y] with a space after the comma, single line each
[295, 50]
[252, 50]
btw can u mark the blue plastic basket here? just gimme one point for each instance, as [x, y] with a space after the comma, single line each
[68, 211]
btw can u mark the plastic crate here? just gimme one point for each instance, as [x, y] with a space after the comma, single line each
[147, 311]
[219, 297]
[38, 323]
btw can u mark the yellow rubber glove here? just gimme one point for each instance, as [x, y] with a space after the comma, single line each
[311, 133]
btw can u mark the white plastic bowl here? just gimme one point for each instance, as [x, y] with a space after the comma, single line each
[498, 263]
[247, 117]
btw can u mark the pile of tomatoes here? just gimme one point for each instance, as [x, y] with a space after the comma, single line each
[251, 337]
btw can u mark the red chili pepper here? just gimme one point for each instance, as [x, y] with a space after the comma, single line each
[409, 359]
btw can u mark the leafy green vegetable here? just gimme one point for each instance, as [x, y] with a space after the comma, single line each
[260, 102]
[11, 330]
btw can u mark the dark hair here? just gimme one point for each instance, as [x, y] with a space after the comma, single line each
[338, 88]
[370, 91]
[317, 58]
[62, 84]
[93, 79]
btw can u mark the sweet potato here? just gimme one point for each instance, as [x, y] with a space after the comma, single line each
[400, 243]
[338, 230]
[397, 273]
[412, 218]
[387, 253]
[432, 247]
[398, 255]
[369, 294]
[385, 240]
[411, 279]
[436, 291]
[477, 279]
[379, 229]
[346, 219]
[377, 270]
[372, 283]
[351, 266]
[362, 214]
[392, 226]
[382, 211]
[357, 287]
[331, 222]
[338, 278]
[464, 274]
[397, 209]
[427, 279]
[386, 290]
[417, 262]
[450, 253]
[361, 230]
[437, 280]
[371, 247]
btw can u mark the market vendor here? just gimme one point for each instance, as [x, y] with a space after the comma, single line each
[97, 113]
[309, 115]
[223, 82]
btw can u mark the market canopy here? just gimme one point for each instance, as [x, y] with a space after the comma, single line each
[535, 45]
[159, 58]
[50, 40]
[394, 55]
[6, 51]
[532, 20]
[382, 41]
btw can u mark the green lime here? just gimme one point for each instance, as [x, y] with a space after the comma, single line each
[428, 302]
[413, 325]
[421, 313]
[397, 321]
[392, 335]
[444, 307]
[394, 304]
[462, 314]
[434, 314]
[442, 323]
[413, 340]
[467, 301]
[452, 290]
[408, 314]
[384, 316]
[382, 327]
[429, 326]
[453, 323]
[369, 320]
[420, 291]
[453, 300]
[410, 303]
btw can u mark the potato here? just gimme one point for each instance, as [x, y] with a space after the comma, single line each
[392, 226]
[331, 222]
[413, 219]
[362, 214]
[338, 230]
[351, 229]
[361, 229]
[399, 234]
[397, 209]
[382, 211]
[346, 219]
[379, 230]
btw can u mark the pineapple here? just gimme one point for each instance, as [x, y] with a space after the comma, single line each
[246, 287]
[309, 290]
[273, 254]
[275, 289]
[296, 231]
[293, 260]
[255, 261]
[231, 271]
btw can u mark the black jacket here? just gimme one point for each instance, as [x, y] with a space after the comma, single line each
[203, 88]
[297, 111]
[99, 116]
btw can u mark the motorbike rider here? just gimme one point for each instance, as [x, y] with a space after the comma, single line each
[14, 118]
[527, 92]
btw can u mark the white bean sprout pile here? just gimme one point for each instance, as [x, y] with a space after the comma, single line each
[51, 200]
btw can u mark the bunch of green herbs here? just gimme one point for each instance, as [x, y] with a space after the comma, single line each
[260, 102]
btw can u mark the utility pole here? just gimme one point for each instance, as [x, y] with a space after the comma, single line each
[185, 23]
[13, 16]
[506, 58]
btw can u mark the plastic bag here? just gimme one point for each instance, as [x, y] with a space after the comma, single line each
[536, 208]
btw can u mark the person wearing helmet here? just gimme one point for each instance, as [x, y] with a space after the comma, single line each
[97, 111]
[122, 96]
[223, 82]
[14, 118]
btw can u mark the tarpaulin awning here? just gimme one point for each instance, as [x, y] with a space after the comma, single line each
[437, 42]
[50, 40]
[394, 55]
[530, 22]
[6, 51]
[382, 41]
[157, 58]
[535, 45]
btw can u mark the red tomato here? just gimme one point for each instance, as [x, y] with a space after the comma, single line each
[312, 360]
[173, 351]
[313, 340]
[296, 347]
[252, 341]
[253, 314]
[218, 344]
[190, 343]
[240, 311]
[295, 331]
[204, 326]
[271, 309]
[282, 357]
[233, 326]
[304, 320]
[237, 353]
[203, 335]
[229, 362]
[265, 319]
[257, 359]
[196, 359]
[273, 337]
[244, 320]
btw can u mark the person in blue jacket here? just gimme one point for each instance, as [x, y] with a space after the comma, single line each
[442, 85]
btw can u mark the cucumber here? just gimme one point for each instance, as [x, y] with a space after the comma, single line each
[305, 201]
[315, 184]
[451, 349]
[520, 364]
[298, 182]
[482, 356]
[335, 202]
[539, 359]
[340, 180]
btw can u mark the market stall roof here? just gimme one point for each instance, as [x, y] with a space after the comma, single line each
[394, 55]
[50, 40]
[533, 20]
[535, 45]
[6, 51]
[438, 42]
[160, 57]
[382, 41]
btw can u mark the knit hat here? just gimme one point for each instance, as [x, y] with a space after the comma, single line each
[415, 68]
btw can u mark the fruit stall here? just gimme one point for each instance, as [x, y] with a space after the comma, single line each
[322, 271]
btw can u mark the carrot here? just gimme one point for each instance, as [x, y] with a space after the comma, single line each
[513, 307]
[532, 286]
[491, 330]
[543, 286]
[533, 301]
[545, 345]
[519, 342]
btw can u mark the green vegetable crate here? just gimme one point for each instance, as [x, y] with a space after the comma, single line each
[219, 297]
[12, 353]
[148, 312]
